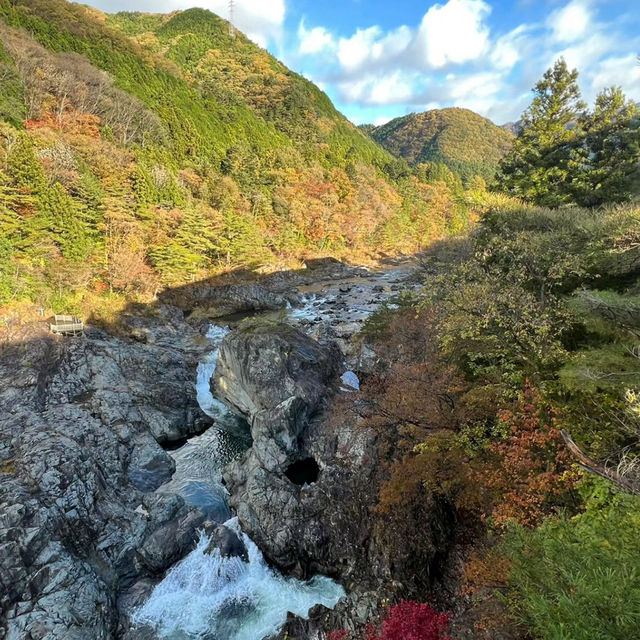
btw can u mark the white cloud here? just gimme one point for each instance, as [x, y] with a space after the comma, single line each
[621, 71]
[506, 52]
[451, 33]
[390, 89]
[454, 32]
[368, 48]
[571, 22]
[582, 54]
[479, 85]
[314, 40]
[394, 88]
[354, 51]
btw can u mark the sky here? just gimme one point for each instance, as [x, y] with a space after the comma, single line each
[380, 59]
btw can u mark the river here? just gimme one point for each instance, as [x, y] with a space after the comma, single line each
[206, 596]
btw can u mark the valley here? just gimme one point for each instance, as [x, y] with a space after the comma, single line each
[324, 381]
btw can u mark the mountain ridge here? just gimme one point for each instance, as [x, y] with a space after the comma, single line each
[466, 142]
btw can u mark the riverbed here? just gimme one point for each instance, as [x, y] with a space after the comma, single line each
[217, 598]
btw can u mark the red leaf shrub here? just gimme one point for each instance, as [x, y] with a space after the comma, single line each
[529, 471]
[412, 621]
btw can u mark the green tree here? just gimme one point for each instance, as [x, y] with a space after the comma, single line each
[24, 167]
[538, 167]
[606, 161]
[64, 217]
[577, 578]
[241, 241]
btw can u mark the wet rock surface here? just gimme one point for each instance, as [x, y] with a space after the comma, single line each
[226, 542]
[81, 423]
[84, 535]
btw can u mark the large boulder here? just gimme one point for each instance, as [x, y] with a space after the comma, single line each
[275, 376]
[226, 542]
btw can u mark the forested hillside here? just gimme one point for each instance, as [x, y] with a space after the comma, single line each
[138, 150]
[461, 139]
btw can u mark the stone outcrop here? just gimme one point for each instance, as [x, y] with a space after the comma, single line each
[84, 537]
[80, 422]
[276, 376]
[215, 301]
[226, 542]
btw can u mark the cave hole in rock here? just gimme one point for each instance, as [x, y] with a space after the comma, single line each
[303, 472]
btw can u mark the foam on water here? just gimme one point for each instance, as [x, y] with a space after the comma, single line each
[210, 405]
[309, 309]
[228, 599]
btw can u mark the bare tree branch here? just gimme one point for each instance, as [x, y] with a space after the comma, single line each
[593, 467]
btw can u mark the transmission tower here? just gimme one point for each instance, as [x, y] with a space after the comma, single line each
[232, 29]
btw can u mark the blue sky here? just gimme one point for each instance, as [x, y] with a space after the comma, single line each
[381, 59]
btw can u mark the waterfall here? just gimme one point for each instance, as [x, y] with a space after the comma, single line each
[206, 595]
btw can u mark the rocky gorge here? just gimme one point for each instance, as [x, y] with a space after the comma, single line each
[93, 428]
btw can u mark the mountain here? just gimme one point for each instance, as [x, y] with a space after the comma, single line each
[138, 150]
[463, 140]
[513, 127]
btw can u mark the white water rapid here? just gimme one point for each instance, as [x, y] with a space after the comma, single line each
[205, 596]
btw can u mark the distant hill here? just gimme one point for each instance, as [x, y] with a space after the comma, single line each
[513, 127]
[463, 140]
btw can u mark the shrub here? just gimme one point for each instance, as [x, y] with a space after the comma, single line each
[577, 578]
[411, 621]
[530, 470]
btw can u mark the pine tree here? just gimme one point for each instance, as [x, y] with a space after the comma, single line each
[64, 217]
[9, 218]
[24, 167]
[606, 161]
[538, 167]
[241, 241]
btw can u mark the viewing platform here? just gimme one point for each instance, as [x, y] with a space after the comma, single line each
[66, 325]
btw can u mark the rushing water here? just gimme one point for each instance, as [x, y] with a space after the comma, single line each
[205, 596]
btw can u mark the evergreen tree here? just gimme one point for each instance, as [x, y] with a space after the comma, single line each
[64, 217]
[606, 161]
[9, 219]
[241, 241]
[538, 167]
[24, 167]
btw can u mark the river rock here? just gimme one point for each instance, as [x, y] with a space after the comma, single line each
[227, 543]
[79, 455]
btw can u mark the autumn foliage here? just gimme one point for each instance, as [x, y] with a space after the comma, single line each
[407, 620]
[411, 621]
[531, 472]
